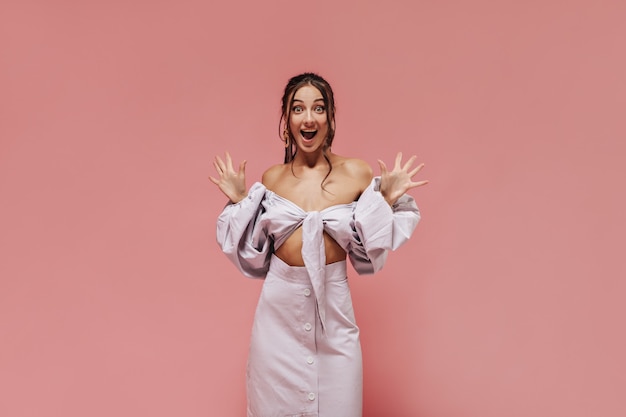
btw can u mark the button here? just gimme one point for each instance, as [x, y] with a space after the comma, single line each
[310, 360]
[307, 292]
[311, 396]
[308, 327]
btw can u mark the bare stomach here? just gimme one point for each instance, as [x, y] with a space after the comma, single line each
[291, 250]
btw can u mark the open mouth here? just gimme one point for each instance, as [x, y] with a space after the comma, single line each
[308, 134]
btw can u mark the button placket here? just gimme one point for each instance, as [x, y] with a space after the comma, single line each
[309, 328]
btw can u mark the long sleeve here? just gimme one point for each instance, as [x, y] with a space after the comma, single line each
[242, 235]
[378, 228]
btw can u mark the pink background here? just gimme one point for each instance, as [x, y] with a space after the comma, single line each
[509, 300]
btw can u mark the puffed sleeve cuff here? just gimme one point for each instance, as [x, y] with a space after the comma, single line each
[241, 236]
[379, 227]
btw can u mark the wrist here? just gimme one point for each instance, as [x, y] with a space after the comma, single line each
[387, 198]
[237, 198]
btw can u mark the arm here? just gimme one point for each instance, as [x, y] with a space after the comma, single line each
[240, 232]
[379, 227]
[385, 216]
[242, 235]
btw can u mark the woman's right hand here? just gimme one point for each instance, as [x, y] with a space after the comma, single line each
[232, 184]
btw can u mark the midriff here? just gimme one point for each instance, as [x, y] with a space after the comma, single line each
[291, 250]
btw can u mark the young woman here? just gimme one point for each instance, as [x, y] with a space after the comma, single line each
[295, 230]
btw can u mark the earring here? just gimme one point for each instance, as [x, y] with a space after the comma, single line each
[286, 138]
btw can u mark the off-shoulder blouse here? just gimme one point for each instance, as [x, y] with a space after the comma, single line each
[249, 231]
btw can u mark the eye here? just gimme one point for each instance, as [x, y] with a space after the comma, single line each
[297, 109]
[320, 109]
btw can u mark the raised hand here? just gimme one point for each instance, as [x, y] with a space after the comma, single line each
[395, 183]
[232, 184]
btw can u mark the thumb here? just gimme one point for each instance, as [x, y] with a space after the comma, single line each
[383, 167]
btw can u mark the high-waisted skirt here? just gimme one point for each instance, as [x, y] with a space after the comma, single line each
[296, 368]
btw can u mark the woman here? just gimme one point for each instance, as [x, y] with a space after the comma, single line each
[295, 229]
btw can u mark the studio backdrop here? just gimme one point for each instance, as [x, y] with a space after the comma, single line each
[115, 299]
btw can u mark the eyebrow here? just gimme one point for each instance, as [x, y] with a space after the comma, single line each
[317, 99]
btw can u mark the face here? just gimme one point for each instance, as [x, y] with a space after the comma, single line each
[308, 120]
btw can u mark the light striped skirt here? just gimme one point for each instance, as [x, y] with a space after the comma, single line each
[296, 368]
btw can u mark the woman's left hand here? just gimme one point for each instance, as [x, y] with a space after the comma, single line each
[395, 183]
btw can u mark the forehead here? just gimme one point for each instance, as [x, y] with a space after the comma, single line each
[307, 93]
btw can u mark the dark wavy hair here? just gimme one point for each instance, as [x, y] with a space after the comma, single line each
[293, 85]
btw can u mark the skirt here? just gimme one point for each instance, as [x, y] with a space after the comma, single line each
[296, 367]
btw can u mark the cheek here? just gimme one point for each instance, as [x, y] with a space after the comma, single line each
[293, 122]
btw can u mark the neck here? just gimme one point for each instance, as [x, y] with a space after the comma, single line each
[312, 160]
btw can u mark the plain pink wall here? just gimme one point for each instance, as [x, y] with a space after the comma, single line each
[114, 297]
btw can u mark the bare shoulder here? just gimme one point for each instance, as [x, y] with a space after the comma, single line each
[272, 174]
[357, 169]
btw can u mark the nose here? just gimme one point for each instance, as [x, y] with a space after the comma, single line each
[308, 117]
